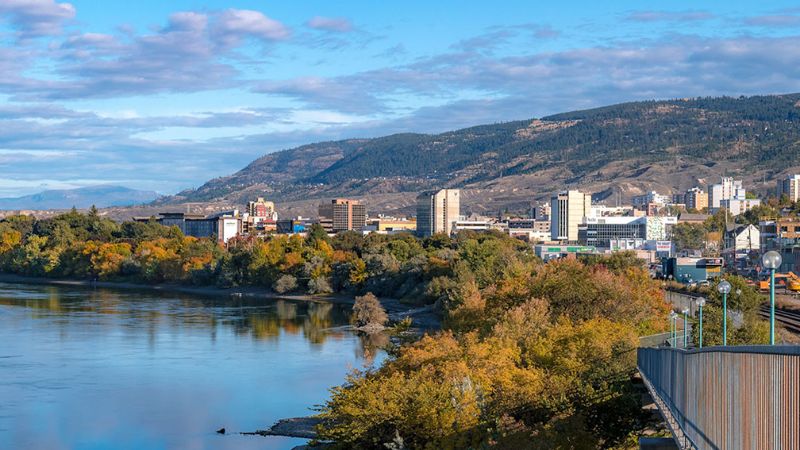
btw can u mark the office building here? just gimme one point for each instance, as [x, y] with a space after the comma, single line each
[607, 232]
[437, 211]
[790, 187]
[567, 210]
[342, 214]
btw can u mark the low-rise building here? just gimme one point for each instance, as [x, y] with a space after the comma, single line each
[739, 242]
[693, 218]
[222, 226]
[553, 251]
[688, 270]
[528, 229]
[391, 225]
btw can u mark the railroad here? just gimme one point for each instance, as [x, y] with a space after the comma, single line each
[789, 319]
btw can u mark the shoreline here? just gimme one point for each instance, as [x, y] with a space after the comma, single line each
[424, 317]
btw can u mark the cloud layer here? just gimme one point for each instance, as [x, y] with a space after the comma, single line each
[156, 109]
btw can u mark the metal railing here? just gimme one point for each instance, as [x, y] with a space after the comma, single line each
[727, 397]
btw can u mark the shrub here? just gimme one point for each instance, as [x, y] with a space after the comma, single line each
[368, 312]
[319, 285]
[284, 284]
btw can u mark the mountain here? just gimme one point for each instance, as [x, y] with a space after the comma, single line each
[100, 196]
[615, 151]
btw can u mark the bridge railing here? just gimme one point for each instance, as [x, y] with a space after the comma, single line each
[727, 397]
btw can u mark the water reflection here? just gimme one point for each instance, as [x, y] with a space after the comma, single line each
[263, 319]
[98, 369]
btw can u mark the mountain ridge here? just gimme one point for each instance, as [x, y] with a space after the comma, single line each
[624, 149]
[101, 196]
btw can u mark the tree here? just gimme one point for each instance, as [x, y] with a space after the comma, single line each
[368, 312]
[689, 236]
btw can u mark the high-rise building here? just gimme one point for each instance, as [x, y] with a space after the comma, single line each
[437, 211]
[789, 186]
[726, 190]
[567, 210]
[696, 198]
[342, 214]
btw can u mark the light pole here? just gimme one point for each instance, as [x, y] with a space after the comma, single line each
[771, 260]
[685, 332]
[700, 304]
[724, 288]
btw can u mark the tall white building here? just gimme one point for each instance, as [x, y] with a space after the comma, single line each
[789, 186]
[726, 190]
[437, 212]
[567, 210]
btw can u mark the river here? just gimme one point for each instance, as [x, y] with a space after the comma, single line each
[112, 369]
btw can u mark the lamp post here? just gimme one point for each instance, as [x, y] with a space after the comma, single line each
[700, 304]
[685, 332]
[724, 288]
[771, 260]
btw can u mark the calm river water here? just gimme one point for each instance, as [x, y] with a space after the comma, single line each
[105, 369]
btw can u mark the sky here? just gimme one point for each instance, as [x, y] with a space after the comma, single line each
[165, 95]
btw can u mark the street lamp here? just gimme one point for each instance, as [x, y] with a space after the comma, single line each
[700, 303]
[685, 332]
[724, 288]
[771, 260]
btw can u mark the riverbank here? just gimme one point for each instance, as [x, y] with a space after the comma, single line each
[424, 317]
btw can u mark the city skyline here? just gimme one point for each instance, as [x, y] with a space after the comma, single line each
[94, 94]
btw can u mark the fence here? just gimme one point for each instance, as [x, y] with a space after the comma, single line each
[727, 397]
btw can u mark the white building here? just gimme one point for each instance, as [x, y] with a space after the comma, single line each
[651, 197]
[567, 210]
[726, 190]
[741, 240]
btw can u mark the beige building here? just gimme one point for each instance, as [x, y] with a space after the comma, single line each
[342, 214]
[789, 186]
[567, 210]
[696, 198]
[437, 211]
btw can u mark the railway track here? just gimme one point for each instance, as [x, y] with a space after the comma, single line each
[789, 319]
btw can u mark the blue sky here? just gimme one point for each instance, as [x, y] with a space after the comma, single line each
[165, 95]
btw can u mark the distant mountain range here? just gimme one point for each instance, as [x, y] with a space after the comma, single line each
[100, 196]
[615, 151]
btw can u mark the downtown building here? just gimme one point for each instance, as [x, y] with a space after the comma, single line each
[437, 212]
[567, 211]
[342, 214]
[696, 198]
[790, 187]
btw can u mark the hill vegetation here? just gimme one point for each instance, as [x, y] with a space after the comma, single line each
[700, 137]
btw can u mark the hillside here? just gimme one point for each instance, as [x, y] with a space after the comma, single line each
[100, 196]
[618, 150]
